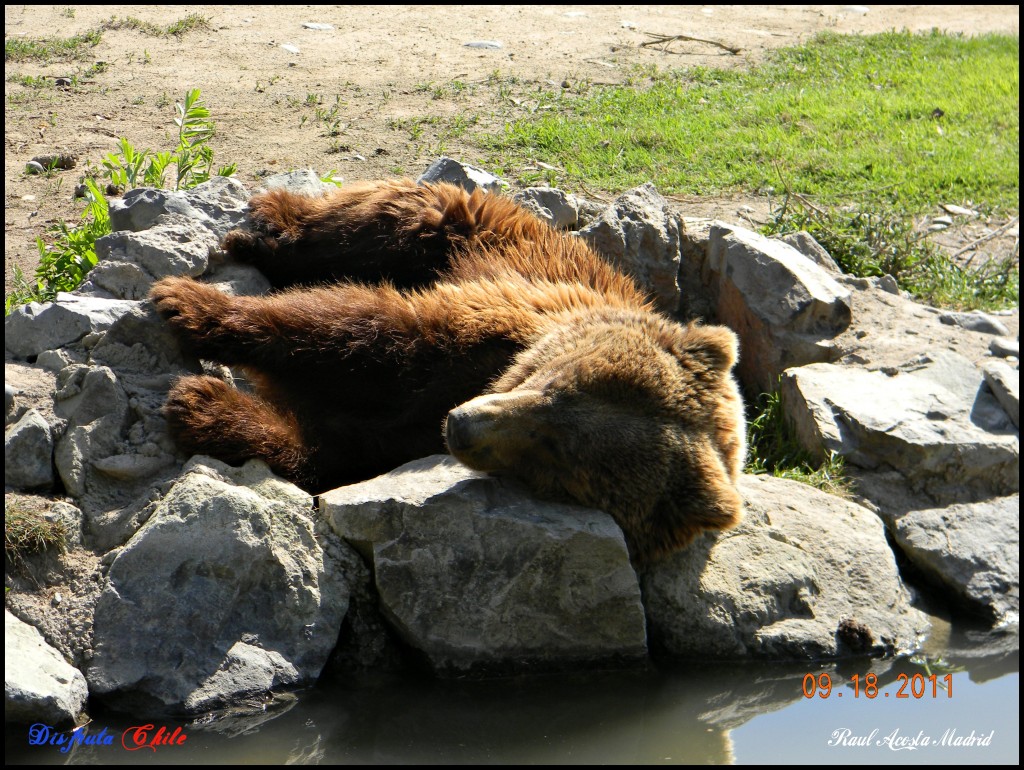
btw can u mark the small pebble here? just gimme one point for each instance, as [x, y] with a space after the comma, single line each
[959, 211]
[1004, 347]
[975, 322]
[888, 283]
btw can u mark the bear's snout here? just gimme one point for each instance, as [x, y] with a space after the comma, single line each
[457, 434]
[486, 432]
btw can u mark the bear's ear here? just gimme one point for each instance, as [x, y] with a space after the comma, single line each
[716, 347]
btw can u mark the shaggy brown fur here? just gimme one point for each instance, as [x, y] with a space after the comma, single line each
[552, 364]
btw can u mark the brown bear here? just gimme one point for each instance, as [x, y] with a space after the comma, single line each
[408, 313]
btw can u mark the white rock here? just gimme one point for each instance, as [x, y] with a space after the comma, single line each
[39, 685]
[960, 211]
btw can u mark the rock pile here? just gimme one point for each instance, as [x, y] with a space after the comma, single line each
[215, 585]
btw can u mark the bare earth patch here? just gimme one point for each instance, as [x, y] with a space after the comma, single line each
[380, 93]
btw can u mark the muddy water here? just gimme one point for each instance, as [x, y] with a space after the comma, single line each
[736, 713]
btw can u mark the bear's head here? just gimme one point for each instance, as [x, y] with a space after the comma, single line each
[623, 411]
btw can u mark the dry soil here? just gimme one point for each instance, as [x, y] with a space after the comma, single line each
[399, 75]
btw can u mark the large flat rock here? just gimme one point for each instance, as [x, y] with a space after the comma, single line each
[971, 549]
[477, 575]
[933, 421]
[225, 593]
[806, 575]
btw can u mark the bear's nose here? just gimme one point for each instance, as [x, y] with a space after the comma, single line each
[457, 433]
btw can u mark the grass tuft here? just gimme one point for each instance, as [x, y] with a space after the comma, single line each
[774, 449]
[886, 242]
[189, 23]
[27, 531]
[55, 48]
[79, 46]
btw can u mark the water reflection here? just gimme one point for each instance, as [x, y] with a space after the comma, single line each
[687, 714]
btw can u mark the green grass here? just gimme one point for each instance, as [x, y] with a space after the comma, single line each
[55, 48]
[774, 449]
[30, 81]
[838, 116]
[884, 242]
[189, 23]
[79, 46]
[875, 130]
[26, 530]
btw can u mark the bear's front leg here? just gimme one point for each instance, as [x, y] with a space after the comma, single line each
[210, 323]
[284, 332]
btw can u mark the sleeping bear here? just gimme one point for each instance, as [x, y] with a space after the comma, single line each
[408, 318]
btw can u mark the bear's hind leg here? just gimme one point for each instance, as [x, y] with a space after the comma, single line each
[207, 416]
[395, 231]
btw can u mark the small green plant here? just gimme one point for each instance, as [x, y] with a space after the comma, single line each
[773, 449]
[96, 69]
[188, 23]
[30, 81]
[132, 168]
[70, 254]
[331, 177]
[66, 257]
[24, 291]
[192, 157]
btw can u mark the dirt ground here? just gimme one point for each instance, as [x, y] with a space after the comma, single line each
[400, 77]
